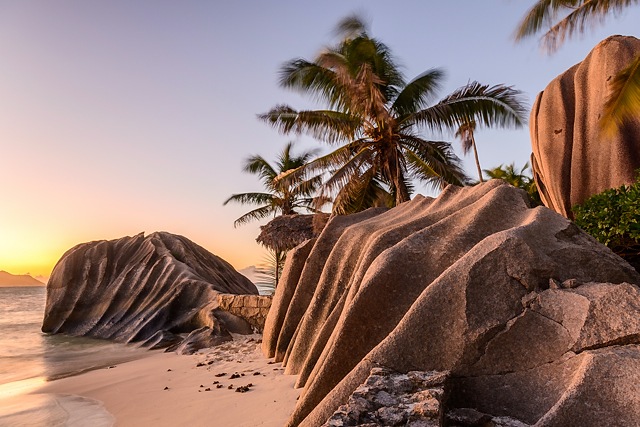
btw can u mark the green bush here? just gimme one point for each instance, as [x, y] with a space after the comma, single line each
[613, 218]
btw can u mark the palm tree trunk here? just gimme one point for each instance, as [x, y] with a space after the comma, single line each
[277, 268]
[475, 153]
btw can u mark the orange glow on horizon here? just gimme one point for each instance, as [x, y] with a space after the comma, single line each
[26, 253]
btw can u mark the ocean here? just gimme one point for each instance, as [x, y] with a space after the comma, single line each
[29, 358]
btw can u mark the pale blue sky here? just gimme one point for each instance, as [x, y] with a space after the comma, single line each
[124, 116]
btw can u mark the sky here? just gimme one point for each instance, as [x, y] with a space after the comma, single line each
[126, 116]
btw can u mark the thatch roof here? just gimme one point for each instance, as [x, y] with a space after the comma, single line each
[288, 231]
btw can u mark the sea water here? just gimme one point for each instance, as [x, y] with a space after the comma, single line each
[29, 358]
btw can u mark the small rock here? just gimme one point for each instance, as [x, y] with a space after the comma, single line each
[256, 373]
[554, 284]
[166, 388]
[220, 374]
[230, 386]
[219, 386]
[168, 370]
[200, 364]
[234, 376]
[570, 284]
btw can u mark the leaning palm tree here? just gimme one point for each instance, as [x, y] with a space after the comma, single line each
[466, 133]
[376, 120]
[568, 17]
[281, 197]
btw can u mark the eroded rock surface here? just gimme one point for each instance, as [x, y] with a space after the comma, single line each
[572, 159]
[523, 309]
[390, 398]
[154, 289]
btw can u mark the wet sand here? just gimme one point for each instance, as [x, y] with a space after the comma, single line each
[166, 389]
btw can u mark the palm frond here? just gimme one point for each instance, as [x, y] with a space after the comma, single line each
[270, 270]
[257, 165]
[360, 193]
[585, 13]
[542, 14]
[256, 214]
[326, 125]
[350, 27]
[317, 79]
[347, 171]
[250, 198]
[418, 92]
[433, 162]
[579, 15]
[497, 105]
[623, 103]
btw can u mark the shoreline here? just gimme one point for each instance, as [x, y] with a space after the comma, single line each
[166, 389]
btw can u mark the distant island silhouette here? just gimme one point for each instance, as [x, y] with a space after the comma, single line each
[8, 279]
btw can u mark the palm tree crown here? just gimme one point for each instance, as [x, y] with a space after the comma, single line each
[376, 119]
[281, 197]
[568, 17]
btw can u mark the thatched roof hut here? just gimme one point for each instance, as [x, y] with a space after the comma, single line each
[288, 231]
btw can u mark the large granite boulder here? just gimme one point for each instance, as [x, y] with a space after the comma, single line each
[143, 289]
[572, 159]
[524, 310]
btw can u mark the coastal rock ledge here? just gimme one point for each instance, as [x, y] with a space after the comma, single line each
[154, 290]
[525, 318]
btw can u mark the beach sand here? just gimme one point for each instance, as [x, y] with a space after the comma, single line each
[166, 389]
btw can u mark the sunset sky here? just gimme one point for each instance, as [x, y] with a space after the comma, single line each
[121, 116]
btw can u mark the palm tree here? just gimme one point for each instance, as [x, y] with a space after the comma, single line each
[624, 101]
[466, 133]
[281, 197]
[517, 178]
[375, 119]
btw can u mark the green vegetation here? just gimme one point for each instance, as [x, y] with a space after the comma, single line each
[624, 102]
[376, 119]
[282, 197]
[613, 218]
[517, 178]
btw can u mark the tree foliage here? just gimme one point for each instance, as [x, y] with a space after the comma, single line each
[281, 197]
[613, 218]
[517, 178]
[377, 120]
[564, 19]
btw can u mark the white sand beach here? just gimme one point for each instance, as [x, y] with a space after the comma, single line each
[166, 389]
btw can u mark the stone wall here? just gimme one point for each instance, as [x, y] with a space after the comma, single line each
[252, 308]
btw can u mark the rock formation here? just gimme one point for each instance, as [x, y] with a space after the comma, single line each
[526, 312]
[143, 289]
[393, 399]
[572, 160]
[9, 280]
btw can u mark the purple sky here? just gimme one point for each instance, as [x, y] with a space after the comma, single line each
[118, 117]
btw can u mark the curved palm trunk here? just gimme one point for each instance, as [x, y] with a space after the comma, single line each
[475, 153]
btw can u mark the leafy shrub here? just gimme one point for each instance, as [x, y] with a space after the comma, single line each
[613, 218]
